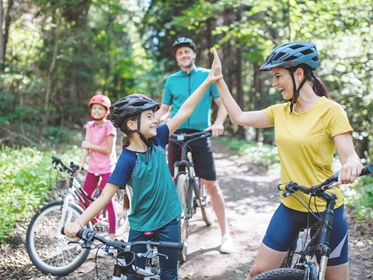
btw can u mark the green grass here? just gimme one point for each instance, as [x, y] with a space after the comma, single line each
[24, 183]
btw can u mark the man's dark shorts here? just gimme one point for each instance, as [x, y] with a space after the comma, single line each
[201, 154]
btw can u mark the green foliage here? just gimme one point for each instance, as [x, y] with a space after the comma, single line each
[255, 152]
[25, 185]
[360, 195]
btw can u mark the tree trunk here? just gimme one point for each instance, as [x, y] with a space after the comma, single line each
[2, 34]
[45, 116]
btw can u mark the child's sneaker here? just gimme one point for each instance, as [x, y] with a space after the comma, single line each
[226, 245]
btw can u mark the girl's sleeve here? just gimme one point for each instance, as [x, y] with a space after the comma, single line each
[123, 169]
[163, 134]
[111, 130]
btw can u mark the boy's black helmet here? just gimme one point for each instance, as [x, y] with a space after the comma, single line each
[292, 54]
[183, 42]
[129, 106]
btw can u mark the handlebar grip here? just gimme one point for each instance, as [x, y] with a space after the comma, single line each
[367, 170]
[171, 245]
[79, 234]
[56, 160]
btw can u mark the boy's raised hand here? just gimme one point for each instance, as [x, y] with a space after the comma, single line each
[216, 73]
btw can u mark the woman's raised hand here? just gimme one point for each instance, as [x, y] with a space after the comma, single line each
[216, 73]
[216, 65]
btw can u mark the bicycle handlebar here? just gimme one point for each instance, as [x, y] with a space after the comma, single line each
[89, 236]
[183, 137]
[316, 190]
[71, 168]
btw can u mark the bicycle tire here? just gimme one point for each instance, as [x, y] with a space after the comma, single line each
[203, 200]
[281, 274]
[182, 186]
[47, 248]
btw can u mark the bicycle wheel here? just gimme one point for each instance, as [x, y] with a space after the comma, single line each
[203, 200]
[182, 186]
[281, 274]
[47, 248]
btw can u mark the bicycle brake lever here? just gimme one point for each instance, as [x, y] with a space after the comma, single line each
[275, 195]
[84, 245]
[161, 255]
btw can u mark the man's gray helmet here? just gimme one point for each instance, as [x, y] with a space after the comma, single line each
[292, 54]
[183, 42]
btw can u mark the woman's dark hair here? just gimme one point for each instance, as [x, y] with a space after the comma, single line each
[317, 85]
[127, 131]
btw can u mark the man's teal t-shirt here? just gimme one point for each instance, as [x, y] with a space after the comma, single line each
[154, 202]
[179, 86]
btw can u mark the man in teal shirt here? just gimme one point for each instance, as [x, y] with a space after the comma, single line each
[179, 86]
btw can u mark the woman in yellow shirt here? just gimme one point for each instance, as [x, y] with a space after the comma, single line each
[308, 130]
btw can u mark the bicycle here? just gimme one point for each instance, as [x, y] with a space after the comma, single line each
[45, 245]
[191, 190]
[125, 258]
[305, 267]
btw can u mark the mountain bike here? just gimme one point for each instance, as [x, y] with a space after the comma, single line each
[46, 246]
[125, 258]
[191, 190]
[305, 266]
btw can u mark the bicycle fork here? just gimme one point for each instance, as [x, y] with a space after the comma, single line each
[66, 216]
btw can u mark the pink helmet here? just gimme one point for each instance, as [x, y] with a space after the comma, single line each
[100, 99]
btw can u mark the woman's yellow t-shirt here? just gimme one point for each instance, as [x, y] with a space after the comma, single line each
[306, 147]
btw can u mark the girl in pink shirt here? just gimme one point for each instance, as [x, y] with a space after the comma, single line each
[99, 144]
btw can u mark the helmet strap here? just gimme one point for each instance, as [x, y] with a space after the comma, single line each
[144, 139]
[296, 90]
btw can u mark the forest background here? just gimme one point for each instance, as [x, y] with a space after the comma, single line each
[56, 54]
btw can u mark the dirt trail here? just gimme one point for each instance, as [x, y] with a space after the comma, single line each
[247, 189]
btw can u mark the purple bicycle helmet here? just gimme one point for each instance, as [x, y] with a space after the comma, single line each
[129, 106]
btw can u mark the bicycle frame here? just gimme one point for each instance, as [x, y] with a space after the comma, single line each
[187, 164]
[72, 194]
[320, 241]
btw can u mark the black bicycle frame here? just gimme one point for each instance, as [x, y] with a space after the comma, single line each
[320, 240]
[184, 162]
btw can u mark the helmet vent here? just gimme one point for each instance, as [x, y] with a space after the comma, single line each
[308, 51]
[278, 56]
[290, 58]
[294, 47]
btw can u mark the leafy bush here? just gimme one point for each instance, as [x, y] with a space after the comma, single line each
[360, 195]
[24, 184]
